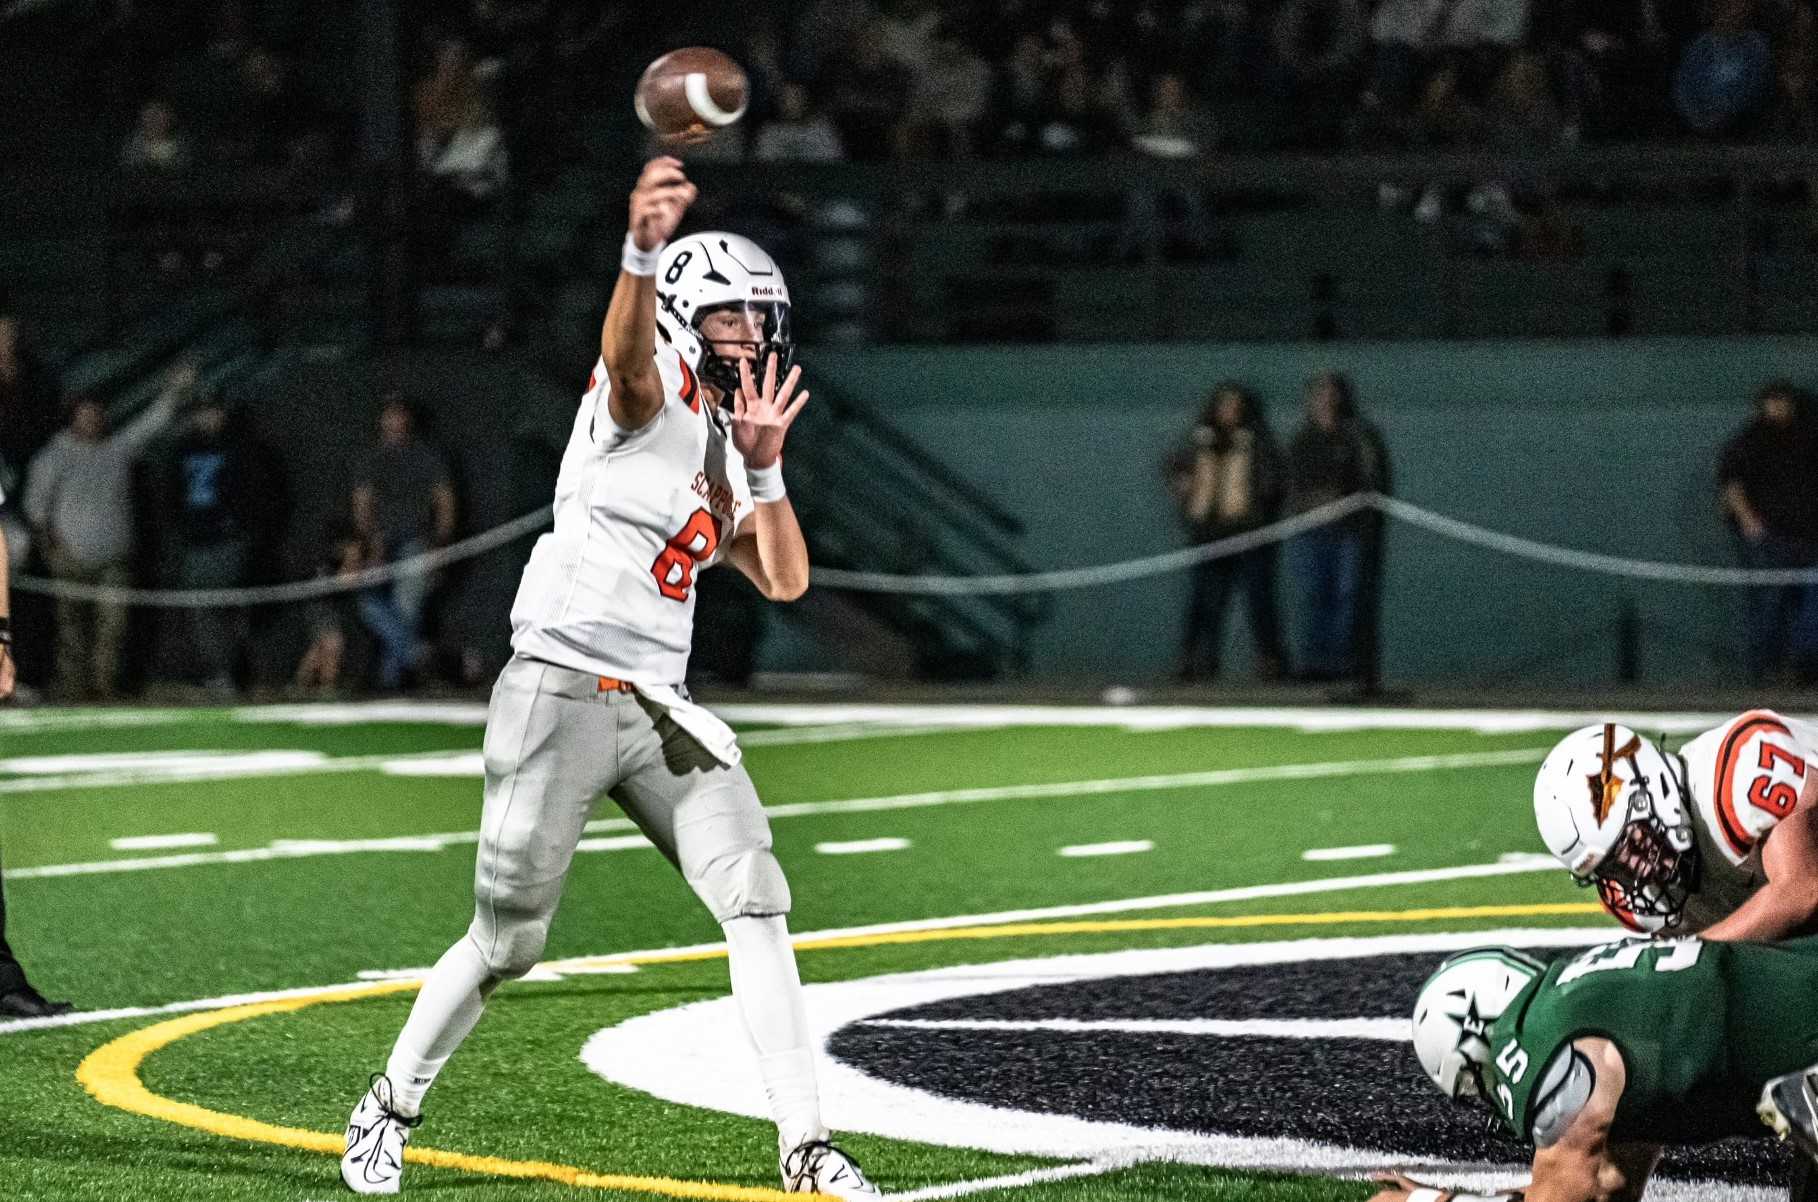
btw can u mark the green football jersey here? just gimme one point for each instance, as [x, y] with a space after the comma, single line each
[1701, 1027]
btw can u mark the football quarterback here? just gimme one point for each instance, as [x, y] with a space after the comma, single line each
[674, 464]
[1602, 1058]
[1719, 839]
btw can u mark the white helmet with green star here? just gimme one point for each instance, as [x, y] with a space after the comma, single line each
[1456, 1007]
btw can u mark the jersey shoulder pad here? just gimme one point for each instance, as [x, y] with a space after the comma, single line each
[679, 380]
[1566, 1084]
[1746, 776]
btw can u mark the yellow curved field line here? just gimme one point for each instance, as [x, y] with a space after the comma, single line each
[111, 1072]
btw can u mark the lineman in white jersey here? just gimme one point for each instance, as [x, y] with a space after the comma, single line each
[674, 464]
[1719, 840]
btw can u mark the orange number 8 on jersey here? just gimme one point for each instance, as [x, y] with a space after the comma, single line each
[694, 543]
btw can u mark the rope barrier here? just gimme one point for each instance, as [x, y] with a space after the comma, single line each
[296, 590]
[1098, 575]
[1093, 576]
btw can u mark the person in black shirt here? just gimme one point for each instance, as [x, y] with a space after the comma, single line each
[17, 998]
[210, 484]
[1764, 487]
[1337, 453]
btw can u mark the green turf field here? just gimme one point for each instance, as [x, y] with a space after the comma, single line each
[262, 853]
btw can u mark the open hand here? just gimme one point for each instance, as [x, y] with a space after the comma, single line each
[762, 416]
[661, 196]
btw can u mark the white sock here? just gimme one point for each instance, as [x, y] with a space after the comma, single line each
[445, 1012]
[769, 994]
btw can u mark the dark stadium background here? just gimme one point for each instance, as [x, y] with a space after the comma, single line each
[1557, 266]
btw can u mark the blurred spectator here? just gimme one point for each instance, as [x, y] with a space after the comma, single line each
[156, 145]
[1498, 25]
[271, 122]
[28, 392]
[1076, 124]
[210, 478]
[1726, 75]
[1316, 48]
[1795, 111]
[1175, 127]
[469, 166]
[332, 619]
[1335, 454]
[951, 101]
[1771, 507]
[79, 499]
[1231, 480]
[868, 97]
[1022, 93]
[403, 505]
[905, 32]
[445, 97]
[1617, 63]
[1116, 96]
[27, 420]
[1404, 38]
[823, 35]
[763, 63]
[798, 134]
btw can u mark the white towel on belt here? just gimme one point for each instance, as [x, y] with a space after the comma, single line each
[708, 731]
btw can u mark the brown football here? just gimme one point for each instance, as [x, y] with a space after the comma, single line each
[688, 93]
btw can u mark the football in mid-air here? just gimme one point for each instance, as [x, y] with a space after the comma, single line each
[688, 93]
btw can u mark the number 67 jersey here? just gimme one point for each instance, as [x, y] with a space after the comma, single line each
[1741, 779]
[638, 514]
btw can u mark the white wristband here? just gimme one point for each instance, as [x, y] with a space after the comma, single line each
[766, 482]
[640, 262]
[1427, 1193]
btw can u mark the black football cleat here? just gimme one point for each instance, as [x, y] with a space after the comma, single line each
[1789, 1107]
[26, 1002]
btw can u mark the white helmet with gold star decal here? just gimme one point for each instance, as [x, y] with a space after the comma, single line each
[1613, 810]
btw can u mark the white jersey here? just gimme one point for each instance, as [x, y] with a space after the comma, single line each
[1742, 779]
[637, 515]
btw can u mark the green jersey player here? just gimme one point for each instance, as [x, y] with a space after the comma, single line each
[1601, 1059]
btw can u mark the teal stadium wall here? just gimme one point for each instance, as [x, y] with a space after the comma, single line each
[1602, 446]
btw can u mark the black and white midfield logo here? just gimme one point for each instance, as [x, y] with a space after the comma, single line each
[1315, 1051]
[1290, 1054]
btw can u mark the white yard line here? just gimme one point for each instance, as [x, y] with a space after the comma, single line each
[1211, 778]
[982, 1185]
[227, 767]
[607, 962]
[861, 847]
[78, 772]
[1364, 851]
[1311, 719]
[162, 842]
[1123, 847]
[903, 801]
[1393, 1030]
[614, 843]
[156, 763]
[791, 736]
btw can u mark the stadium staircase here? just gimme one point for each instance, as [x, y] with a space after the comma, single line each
[872, 499]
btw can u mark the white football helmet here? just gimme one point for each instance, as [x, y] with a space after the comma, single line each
[1456, 1006]
[710, 271]
[1612, 809]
